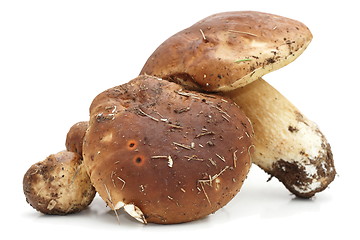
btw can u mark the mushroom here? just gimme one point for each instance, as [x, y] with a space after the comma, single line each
[165, 154]
[75, 137]
[58, 185]
[225, 53]
[228, 50]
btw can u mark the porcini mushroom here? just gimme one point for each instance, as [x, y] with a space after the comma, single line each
[75, 137]
[164, 154]
[58, 185]
[228, 50]
[224, 53]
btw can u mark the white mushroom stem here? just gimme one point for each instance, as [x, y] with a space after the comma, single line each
[287, 145]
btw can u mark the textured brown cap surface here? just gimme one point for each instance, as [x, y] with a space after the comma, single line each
[176, 155]
[228, 50]
[75, 137]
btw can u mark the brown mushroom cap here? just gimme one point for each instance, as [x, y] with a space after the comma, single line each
[75, 137]
[174, 155]
[58, 185]
[238, 47]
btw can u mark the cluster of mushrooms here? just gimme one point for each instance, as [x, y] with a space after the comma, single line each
[176, 143]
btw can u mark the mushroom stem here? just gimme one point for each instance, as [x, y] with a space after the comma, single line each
[288, 145]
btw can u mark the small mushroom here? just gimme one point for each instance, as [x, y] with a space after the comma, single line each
[58, 185]
[146, 150]
[75, 137]
[226, 52]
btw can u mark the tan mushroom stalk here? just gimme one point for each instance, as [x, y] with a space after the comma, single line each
[288, 145]
[227, 51]
[166, 154]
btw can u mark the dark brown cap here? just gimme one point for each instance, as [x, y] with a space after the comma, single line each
[75, 137]
[228, 50]
[167, 154]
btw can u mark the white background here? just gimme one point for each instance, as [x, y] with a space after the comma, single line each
[55, 56]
